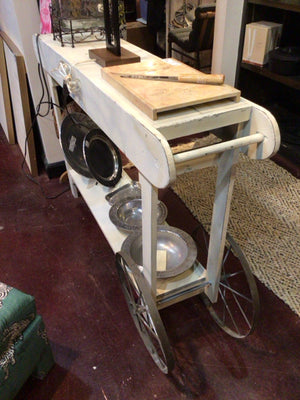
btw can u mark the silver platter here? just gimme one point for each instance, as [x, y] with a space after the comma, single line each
[126, 214]
[74, 128]
[102, 157]
[131, 190]
[179, 248]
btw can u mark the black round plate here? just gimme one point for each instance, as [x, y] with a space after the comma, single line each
[102, 157]
[74, 128]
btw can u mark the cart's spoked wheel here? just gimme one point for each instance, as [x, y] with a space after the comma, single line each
[237, 308]
[144, 312]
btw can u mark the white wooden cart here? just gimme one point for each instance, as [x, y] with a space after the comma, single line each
[146, 143]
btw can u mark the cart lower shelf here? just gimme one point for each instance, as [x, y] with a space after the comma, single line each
[236, 309]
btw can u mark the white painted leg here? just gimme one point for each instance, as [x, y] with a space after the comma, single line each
[73, 187]
[223, 194]
[149, 231]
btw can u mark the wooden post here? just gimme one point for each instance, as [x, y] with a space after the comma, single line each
[149, 231]
[223, 194]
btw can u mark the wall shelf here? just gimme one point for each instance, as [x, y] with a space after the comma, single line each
[278, 93]
[290, 5]
[290, 81]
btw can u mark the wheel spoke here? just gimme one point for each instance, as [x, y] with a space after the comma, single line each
[224, 292]
[148, 326]
[229, 312]
[236, 292]
[225, 277]
[144, 313]
[148, 329]
[243, 313]
[128, 285]
[237, 306]
[226, 255]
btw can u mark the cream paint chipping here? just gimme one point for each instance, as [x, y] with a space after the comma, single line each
[141, 140]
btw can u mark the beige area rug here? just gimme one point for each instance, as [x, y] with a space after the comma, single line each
[264, 220]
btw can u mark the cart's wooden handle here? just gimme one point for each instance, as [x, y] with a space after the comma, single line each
[210, 79]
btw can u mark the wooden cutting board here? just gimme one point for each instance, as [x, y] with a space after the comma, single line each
[154, 97]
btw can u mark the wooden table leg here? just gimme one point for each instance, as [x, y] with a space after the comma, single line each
[221, 208]
[149, 231]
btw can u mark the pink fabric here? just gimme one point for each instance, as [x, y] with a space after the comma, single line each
[45, 16]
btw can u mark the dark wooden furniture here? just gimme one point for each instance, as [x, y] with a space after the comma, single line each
[279, 93]
[189, 42]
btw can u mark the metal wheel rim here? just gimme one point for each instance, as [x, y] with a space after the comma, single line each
[145, 313]
[247, 305]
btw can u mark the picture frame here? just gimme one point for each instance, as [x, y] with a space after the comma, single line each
[6, 116]
[19, 95]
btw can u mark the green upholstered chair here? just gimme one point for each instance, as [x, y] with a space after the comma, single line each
[24, 346]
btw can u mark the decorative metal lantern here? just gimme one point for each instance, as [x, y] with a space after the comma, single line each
[74, 21]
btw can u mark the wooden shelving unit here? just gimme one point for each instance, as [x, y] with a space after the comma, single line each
[290, 81]
[290, 5]
[279, 93]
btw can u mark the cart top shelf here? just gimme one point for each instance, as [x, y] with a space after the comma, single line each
[144, 141]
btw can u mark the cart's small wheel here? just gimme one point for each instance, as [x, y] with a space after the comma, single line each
[237, 308]
[144, 312]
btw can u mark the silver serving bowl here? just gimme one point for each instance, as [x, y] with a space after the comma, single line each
[180, 248]
[127, 214]
[130, 190]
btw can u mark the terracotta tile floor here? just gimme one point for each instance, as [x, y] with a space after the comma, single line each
[54, 250]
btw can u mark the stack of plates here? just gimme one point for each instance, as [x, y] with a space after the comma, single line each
[176, 250]
[126, 208]
[127, 214]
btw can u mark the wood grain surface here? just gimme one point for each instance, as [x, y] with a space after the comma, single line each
[154, 97]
